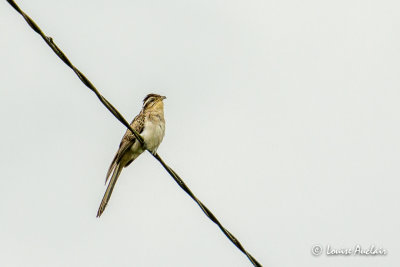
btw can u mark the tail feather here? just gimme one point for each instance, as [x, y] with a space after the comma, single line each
[110, 188]
[112, 167]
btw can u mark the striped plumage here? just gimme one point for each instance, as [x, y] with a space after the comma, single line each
[150, 124]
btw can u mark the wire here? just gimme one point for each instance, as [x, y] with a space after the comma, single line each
[118, 115]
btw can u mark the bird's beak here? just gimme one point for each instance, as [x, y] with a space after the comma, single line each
[164, 97]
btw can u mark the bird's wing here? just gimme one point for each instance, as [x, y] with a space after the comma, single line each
[127, 141]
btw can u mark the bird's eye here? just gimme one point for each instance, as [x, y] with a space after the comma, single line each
[148, 101]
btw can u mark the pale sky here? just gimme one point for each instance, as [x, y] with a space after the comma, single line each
[282, 117]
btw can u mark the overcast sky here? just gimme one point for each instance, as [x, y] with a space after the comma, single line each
[282, 117]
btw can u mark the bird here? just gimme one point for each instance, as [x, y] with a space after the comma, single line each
[150, 124]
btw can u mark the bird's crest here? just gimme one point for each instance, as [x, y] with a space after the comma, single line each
[150, 95]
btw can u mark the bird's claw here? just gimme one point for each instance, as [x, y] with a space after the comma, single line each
[154, 152]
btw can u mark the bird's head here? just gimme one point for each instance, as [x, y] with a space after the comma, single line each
[153, 102]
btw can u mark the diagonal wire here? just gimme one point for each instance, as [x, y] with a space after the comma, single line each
[118, 115]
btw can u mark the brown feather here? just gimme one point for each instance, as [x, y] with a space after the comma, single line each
[109, 190]
[124, 155]
[150, 95]
[127, 141]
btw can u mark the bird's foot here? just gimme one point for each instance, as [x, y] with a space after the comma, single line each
[154, 152]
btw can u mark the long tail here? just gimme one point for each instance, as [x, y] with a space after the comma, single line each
[110, 187]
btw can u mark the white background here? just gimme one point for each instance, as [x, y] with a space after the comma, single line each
[282, 117]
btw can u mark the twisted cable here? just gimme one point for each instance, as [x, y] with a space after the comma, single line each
[118, 115]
